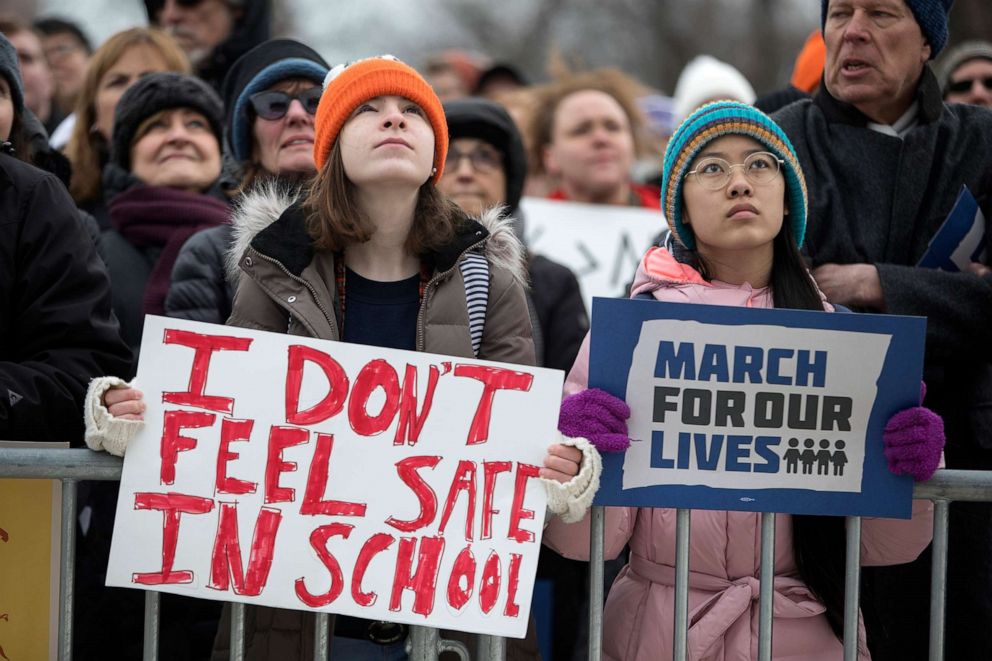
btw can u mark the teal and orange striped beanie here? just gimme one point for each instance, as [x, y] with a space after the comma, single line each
[715, 120]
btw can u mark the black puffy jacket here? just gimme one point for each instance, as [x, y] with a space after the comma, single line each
[57, 330]
[200, 291]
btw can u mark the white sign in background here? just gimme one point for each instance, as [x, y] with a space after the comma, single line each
[602, 244]
[495, 540]
[843, 350]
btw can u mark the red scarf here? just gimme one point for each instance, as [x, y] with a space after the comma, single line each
[157, 217]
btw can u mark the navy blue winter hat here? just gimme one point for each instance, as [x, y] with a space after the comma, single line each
[930, 14]
[256, 71]
[10, 70]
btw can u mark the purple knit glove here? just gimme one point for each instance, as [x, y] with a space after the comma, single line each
[914, 440]
[598, 416]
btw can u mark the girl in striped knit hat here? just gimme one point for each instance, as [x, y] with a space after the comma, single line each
[735, 200]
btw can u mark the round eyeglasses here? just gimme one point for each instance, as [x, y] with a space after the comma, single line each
[483, 159]
[713, 173]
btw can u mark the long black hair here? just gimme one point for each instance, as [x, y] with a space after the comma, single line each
[817, 541]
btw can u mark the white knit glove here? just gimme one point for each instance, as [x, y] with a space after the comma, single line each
[103, 430]
[572, 499]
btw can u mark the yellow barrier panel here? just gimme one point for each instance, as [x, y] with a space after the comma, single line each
[30, 513]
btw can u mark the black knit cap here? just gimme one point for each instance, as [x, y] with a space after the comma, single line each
[157, 92]
[10, 70]
[488, 121]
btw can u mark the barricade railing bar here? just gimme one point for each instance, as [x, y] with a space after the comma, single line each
[943, 488]
[852, 586]
[425, 643]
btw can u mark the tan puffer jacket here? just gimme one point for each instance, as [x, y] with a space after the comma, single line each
[280, 290]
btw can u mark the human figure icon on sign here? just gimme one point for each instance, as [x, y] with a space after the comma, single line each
[823, 458]
[839, 458]
[808, 456]
[792, 456]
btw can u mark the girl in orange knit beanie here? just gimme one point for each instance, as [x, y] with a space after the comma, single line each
[369, 252]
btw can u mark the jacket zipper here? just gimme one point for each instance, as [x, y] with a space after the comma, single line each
[313, 292]
[428, 290]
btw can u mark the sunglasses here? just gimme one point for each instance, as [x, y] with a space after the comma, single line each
[960, 86]
[275, 105]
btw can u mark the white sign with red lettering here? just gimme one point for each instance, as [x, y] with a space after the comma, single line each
[299, 473]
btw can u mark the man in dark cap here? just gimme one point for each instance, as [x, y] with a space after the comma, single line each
[213, 33]
[966, 74]
[486, 168]
[885, 159]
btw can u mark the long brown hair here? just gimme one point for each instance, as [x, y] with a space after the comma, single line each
[335, 220]
[87, 150]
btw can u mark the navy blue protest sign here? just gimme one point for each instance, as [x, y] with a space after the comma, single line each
[961, 239]
[755, 409]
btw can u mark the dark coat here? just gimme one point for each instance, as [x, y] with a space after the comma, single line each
[57, 330]
[200, 291]
[561, 312]
[129, 268]
[879, 200]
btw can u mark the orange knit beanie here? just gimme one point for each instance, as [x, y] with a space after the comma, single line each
[349, 85]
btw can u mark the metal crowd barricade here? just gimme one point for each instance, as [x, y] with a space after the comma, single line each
[425, 644]
[943, 488]
[71, 466]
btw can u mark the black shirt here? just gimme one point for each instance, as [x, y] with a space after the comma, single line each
[381, 314]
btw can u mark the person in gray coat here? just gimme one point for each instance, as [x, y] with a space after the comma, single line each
[886, 160]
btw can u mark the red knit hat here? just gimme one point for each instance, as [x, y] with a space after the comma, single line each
[349, 85]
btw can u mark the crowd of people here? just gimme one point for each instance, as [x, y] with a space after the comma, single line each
[198, 168]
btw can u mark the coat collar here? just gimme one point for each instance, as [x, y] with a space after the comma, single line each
[271, 220]
[927, 94]
[288, 241]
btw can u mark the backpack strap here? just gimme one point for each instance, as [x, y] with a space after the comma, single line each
[475, 273]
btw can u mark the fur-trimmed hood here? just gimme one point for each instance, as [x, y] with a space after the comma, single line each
[259, 209]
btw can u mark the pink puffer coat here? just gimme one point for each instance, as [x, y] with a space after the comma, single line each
[725, 547]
